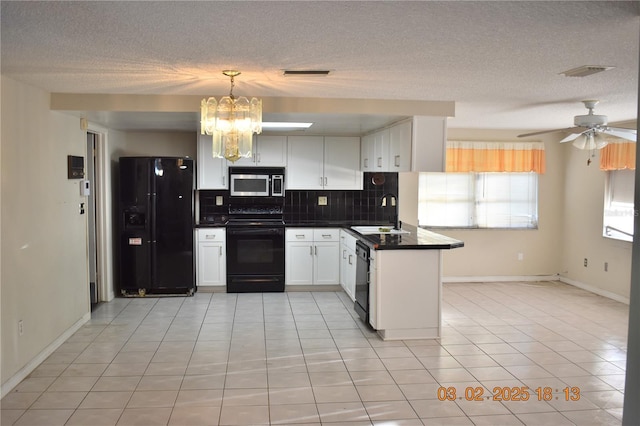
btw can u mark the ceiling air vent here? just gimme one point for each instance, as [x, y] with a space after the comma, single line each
[312, 73]
[585, 70]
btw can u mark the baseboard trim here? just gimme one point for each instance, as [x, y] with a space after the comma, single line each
[314, 287]
[530, 278]
[24, 372]
[596, 290]
[501, 278]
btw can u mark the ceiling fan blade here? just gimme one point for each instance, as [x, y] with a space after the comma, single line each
[568, 129]
[572, 136]
[627, 134]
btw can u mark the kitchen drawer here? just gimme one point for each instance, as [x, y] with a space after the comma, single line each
[348, 240]
[299, 234]
[326, 234]
[211, 234]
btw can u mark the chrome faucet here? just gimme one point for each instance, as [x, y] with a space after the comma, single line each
[393, 202]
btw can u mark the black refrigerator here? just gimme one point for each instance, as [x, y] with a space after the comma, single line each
[156, 226]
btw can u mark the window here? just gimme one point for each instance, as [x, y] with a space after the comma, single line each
[478, 200]
[618, 205]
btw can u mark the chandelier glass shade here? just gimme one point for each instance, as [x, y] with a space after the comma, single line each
[231, 123]
[590, 140]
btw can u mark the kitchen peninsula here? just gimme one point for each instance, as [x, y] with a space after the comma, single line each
[405, 282]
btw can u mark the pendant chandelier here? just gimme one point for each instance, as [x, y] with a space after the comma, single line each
[231, 123]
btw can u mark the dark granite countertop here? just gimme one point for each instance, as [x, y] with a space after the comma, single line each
[415, 239]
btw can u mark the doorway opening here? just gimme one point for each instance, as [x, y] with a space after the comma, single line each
[92, 246]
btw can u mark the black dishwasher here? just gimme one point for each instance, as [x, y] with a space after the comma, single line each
[361, 304]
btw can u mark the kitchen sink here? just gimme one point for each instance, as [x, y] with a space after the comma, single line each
[378, 229]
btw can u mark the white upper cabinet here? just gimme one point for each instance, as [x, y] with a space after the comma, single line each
[416, 145]
[341, 159]
[381, 151]
[429, 142]
[212, 172]
[305, 166]
[367, 152]
[268, 151]
[317, 162]
[400, 147]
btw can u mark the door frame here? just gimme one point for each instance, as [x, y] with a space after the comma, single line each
[104, 215]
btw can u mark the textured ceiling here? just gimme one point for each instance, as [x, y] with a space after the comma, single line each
[499, 61]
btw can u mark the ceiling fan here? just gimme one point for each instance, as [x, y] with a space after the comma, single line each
[590, 130]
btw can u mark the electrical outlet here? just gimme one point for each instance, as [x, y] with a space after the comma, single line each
[606, 266]
[520, 256]
[585, 262]
[20, 327]
[322, 200]
[219, 200]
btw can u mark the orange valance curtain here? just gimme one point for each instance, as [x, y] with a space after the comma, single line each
[495, 157]
[618, 156]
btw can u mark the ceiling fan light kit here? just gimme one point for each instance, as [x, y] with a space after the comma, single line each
[591, 130]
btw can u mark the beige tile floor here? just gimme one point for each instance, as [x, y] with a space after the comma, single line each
[303, 358]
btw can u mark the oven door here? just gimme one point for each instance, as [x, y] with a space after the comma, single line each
[255, 259]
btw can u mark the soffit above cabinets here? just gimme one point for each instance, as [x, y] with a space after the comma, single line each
[164, 112]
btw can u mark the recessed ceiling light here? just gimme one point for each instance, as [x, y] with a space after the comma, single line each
[312, 73]
[586, 70]
[285, 125]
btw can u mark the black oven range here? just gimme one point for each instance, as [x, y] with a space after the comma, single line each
[255, 248]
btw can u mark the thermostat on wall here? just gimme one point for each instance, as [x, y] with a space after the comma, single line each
[85, 188]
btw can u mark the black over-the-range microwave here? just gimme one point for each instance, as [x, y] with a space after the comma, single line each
[256, 181]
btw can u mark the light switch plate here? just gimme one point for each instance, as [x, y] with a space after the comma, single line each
[322, 200]
[219, 200]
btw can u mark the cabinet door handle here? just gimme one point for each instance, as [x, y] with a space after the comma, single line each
[321, 181]
[224, 181]
[316, 247]
[258, 157]
[220, 250]
[299, 235]
[326, 235]
[326, 181]
[210, 237]
[366, 163]
[397, 161]
[379, 161]
[311, 250]
[350, 257]
[344, 254]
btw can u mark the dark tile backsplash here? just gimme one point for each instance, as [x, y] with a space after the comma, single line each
[302, 206]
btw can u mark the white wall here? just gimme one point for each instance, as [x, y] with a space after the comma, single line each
[44, 279]
[582, 230]
[571, 197]
[495, 252]
[150, 143]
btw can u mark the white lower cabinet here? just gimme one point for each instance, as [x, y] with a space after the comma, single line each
[211, 255]
[312, 256]
[348, 264]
